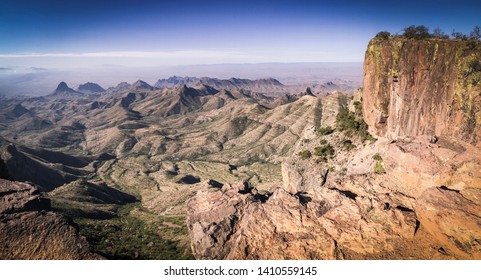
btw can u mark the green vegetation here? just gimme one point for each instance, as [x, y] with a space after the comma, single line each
[352, 123]
[347, 144]
[383, 35]
[419, 32]
[325, 130]
[377, 157]
[474, 66]
[378, 168]
[127, 231]
[305, 154]
[324, 151]
[130, 237]
[346, 121]
[475, 80]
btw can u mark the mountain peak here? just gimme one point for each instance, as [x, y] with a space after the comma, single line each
[308, 91]
[141, 85]
[90, 88]
[63, 87]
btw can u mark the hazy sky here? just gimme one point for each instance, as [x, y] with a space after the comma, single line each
[55, 32]
[85, 34]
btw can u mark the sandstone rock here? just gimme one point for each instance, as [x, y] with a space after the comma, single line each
[414, 87]
[29, 231]
[20, 197]
[302, 175]
[40, 236]
[453, 218]
[237, 223]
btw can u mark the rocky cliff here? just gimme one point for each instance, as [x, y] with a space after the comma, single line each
[423, 87]
[28, 230]
[412, 194]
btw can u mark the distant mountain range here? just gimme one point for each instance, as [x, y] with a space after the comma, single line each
[259, 85]
[268, 87]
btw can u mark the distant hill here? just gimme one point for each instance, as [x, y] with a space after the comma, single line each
[139, 85]
[90, 88]
[63, 90]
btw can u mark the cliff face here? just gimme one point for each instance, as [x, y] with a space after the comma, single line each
[423, 87]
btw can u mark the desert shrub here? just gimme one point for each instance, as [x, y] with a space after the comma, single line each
[473, 67]
[324, 151]
[416, 32]
[475, 80]
[383, 35]
[377, 157]
[476, 33]
[325, 130]
[459, 35]
[346, 121]
[358, 108]
[305, 154]
[352, 123]
[379, 168]
[439, 34]
[347, 144]
[323, 141]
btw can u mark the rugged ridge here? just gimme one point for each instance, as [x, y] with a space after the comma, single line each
[259, 85]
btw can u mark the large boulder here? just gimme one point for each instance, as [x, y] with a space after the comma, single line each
[453, 218]
[28, 230]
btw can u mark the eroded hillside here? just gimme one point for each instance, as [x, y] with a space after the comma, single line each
[122, 163]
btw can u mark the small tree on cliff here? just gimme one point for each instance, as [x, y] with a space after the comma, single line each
[416, 32]
[438, 33]
[383, 35]
[476, 33]
[459, 35]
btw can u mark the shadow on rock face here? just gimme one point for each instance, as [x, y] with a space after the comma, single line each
[189, 180]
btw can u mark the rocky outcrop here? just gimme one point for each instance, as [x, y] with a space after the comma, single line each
[29, 231]
[453, 218]
[423, 87]
[239, 223]
[20, 197]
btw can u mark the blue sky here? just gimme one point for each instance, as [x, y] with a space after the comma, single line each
[55, 33]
